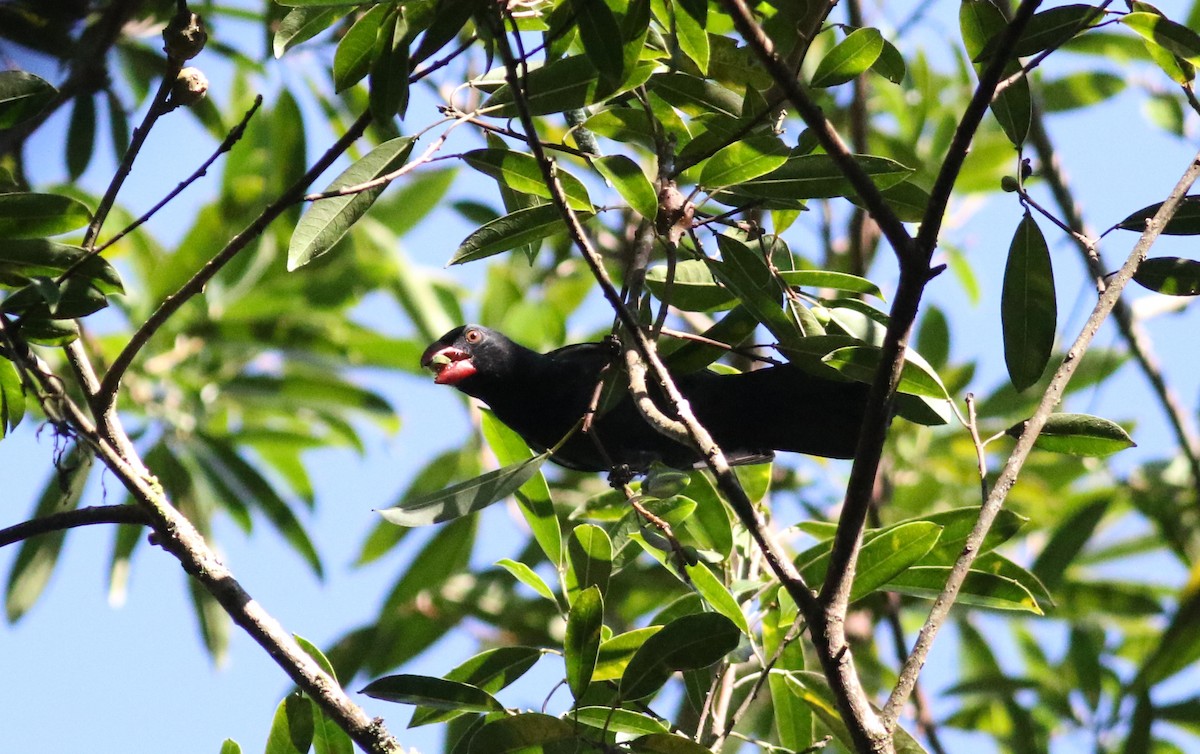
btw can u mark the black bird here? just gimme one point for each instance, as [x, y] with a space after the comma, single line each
[543, 396]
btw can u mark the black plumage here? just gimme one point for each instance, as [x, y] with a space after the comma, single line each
[543, 396]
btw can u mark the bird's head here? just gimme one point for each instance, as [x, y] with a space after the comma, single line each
[464, 352]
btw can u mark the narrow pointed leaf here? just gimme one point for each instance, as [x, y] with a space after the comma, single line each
[301, 25]
[520, 172]
[527, 576]
[12, 397]
[980, 589]
[352, 59]
[1171, 276]
[1170, 35]
[618, 720]
[533, 497]
[581, 646]
[692, 289]
[528, 733]
[510, 232]
[1185, 221]
[292, 727]
[1028, 307]
[616, 653]
[589, 560]
[601, 37]
[490, 670]
[327, 220]
[840, 281]
[465, 497]
[861, 362]
[432, 692]
[1079, 435]
[686, 643]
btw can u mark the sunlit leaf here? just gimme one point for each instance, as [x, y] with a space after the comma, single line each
[630, 182]
[465, 497]
[327, 220]
[292, 727]
[581, 645]
[849, 58]
[301, 25]
[1079, 435]
[510, 232]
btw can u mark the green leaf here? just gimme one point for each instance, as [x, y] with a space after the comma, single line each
[387, 78]
[885, 555]
[29, 215]
[861, 362]
[35, 561]
[533, 497]
[438, 693]
[693, 289]
[292, 726]
[686, 643]
[630, 182]
[511, 231]
[743, 160]
[956, 525]
[81, 135]
[527, 576]
[1162, 31]
[22, 96]
[1185, 221]
[229, 746]
[691, 16]
[327, 220]
[1169, 275]
[301, 25]
[816, 176]
[465, 497]
[890, 63]
[717, 595]
[618, 720]
[520, 172]
[1013, 108]
[12, 397]
[589, 560]
[1080, 89]
[1047, 30]
[616, 653]
[490, 670]
[601, 37]
[1079, 435]
[352, 59]
[695, 95]
[981, 589]
[581, 646]
[527, 733]
[1028, 308]
[840, 281]
[745, 273]
[849, 58]
[566, 84]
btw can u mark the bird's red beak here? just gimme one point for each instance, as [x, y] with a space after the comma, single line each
[449, 364]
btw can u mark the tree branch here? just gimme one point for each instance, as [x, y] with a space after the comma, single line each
[178, 536]
[1008, 476]
[102, 514]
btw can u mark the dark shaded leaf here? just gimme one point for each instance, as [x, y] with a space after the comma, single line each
[520, 172]
[438, 693]
[22, 96]
[292, 727]
[686, 643]
[301, 25]
[352, 59]
[491, 670]
[1170, 275]
[28, 215]
[511, 231]
[1028, 307]
[528, 733]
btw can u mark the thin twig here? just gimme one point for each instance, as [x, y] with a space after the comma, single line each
[178, 536]
[56, 522]
[1033, 426]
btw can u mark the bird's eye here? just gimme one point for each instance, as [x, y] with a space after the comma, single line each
[474, 336]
